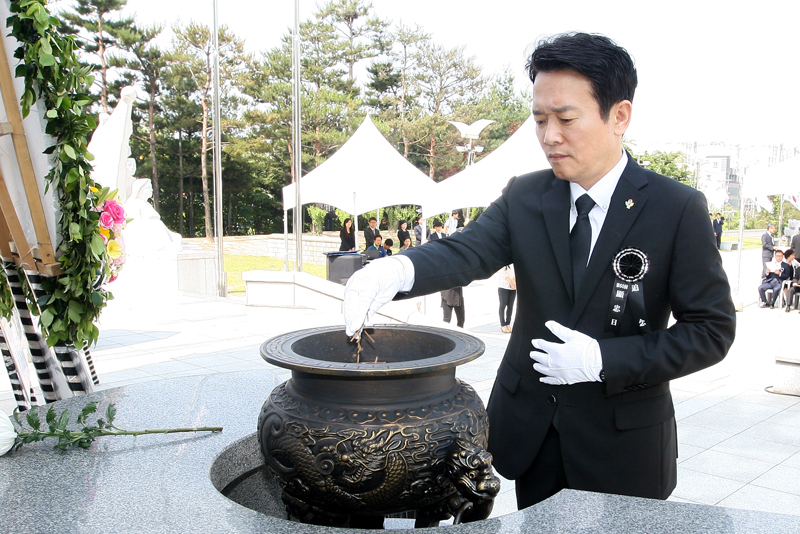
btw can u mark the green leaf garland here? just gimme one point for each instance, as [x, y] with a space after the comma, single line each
[53, 73]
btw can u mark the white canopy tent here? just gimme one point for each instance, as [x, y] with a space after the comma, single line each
[480, 184]
[781, 178]
[366, 173]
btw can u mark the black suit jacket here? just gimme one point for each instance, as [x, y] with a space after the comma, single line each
[618, 436]
[370, 235]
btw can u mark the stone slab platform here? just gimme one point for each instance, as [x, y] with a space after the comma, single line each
[162, 484]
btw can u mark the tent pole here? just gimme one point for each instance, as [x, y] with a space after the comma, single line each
[297, 152]
[780, 221]
[355, 221]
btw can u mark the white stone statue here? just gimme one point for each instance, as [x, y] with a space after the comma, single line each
[145, 234]
[110, 146]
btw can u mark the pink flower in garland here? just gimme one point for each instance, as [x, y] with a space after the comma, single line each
[106, 220]
[115, 210]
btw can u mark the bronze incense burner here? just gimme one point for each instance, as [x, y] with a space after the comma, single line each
[355, 437]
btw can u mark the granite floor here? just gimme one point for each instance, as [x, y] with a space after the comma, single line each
[739, 445]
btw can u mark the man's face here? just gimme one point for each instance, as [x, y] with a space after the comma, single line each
[579, 145]
[378, 241]
[771, 229]
[778, 256]
[438, 229]
[372, 224]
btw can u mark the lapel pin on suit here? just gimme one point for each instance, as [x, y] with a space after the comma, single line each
[629, 203]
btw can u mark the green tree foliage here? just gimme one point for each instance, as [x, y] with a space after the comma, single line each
[671, 164]
[363, 33]
[99, 24]
[193, 49]
[146, 63]
[411, 86]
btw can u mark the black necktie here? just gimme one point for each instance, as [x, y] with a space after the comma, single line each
[580, 240]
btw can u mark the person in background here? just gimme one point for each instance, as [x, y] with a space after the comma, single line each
[387, 246]
[794, 280]
[348, 236]
[402, 232]
[452, 224]
[378, 245]
[418, 231]
[773, 280]
[717, 225]
[453, 299]
[795, 244]
[508, 294]
[767, 248]
[406, 245]
[371, 232]
[438, 233]
[330, 216]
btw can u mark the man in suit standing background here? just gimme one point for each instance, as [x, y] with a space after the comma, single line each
[717, 225]
[371, 232]
[767, 248]
[590, 407]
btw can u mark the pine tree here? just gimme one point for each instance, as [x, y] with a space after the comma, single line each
[147, 64]
[99, 24]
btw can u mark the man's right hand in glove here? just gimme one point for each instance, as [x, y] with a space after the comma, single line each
[373, 286]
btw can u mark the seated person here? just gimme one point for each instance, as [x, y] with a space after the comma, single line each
[793, 282]
[387, 246]
[406, 244]
[377, 245]
[773, 280]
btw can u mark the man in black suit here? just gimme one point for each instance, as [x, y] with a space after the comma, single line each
[438, 232]
[716, 224]
[371, 232]
[593, 410]
[767, 248]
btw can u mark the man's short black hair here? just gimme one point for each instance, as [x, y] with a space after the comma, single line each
[607, 65]
[788, 252]
[389, 242]
[436, 223]
[373, 219]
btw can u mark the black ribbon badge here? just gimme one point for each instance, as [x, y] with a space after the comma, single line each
[630, 265]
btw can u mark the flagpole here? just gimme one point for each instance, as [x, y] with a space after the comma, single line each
[222, 282]
[297, 150]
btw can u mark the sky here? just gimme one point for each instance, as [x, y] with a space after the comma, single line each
[708, 71]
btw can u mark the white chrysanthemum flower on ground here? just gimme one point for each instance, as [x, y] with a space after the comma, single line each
[7, 433]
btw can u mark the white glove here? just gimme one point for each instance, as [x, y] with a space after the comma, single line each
[578, 359]
[373, 286]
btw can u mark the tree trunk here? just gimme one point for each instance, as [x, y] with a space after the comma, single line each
[180, 181]
[101, 51]
[204, 162]
[432, 155]
[191, 208]
[230, 213]
[153, 162]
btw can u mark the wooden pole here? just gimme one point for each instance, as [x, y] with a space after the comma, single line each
[11, 221]
[46, 262]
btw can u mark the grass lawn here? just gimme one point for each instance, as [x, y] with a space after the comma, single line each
[749, 242]
[235, 265]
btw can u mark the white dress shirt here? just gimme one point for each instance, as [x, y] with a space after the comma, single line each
[601, 194]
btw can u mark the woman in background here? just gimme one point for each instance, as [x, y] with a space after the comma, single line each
[406, 244]
[402, 232]
[507, 292]
[348, 236]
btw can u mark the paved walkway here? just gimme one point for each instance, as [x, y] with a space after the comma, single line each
[739, 446]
